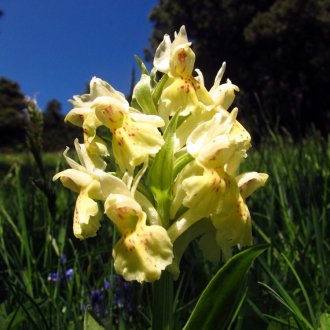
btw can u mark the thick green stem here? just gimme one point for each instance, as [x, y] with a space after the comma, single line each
[162, 312]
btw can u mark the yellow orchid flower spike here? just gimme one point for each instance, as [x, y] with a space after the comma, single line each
[176, 150]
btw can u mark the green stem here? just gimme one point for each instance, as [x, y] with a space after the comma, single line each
[163, 303]
[25, 248]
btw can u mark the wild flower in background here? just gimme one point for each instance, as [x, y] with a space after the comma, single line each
[176, 151]
[64, 274]
[122, 297]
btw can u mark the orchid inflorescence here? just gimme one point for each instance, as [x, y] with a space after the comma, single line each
[174, 176]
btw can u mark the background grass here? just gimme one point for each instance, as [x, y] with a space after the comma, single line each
[288, 286]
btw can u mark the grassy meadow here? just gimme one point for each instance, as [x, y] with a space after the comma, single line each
[47, 277]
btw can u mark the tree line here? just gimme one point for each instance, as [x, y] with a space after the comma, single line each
[14, 121]
[277, 52]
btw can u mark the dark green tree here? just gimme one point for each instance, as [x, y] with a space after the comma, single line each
[276, 52]
[57, 135]
[293, 69]
[52, 113]
[12, 114]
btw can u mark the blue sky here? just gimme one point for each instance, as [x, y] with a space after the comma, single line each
[52, 48]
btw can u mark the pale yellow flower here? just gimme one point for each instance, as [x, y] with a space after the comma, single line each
[223, 95]
[87, 179]
[233, 223]
[135, 136]
[182, 92]
[83, 115]
[201, 192]
[143, 251]
[220, 142]
[175, 58]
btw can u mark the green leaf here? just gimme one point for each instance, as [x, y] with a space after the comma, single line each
[302, 287]
[325, 321]
[160, 176]
[143, 68]
[90, 321]
[12, 320]
[159, 88]
[215, 307]
[181, 162]
[142, 95]
[285, 299]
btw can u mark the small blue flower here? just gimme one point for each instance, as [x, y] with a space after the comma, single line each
[53, 277]
[63, 277]
[69, 273]
[106, 285]
[63, 259]
[98, 302]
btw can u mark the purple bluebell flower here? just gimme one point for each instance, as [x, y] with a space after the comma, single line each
[123, 295]
[106, 285]
[53, 277]
[98, 302]
[64, 275]
[123, 300]
[63, 259]
[69, 274]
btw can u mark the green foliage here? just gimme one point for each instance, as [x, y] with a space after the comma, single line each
[291, 213]
[32, 243]
[56, 134]
[12, 117]
[16, 124]
[90, 321]
[217, 303]
[162, 167]
[276, 51]
[325, 321]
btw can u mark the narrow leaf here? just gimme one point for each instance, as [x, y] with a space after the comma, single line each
[142, 66]
[325, 321]
[142, 95]
[90, 322]
[160, 177]
[216, 305]
[159, 88]
[284, 297]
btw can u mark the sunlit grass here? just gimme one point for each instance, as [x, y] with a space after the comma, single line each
[291, 213]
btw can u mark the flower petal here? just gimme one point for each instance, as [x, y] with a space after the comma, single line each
[73, 179]
[110, 184]
[111, 110]
[135, 141]
[86, 217]
[76, 116]
[248, 183]
[224, 94]
[163, 55]
[207, 132]
[143, 254]
[199, 189]
[124, 212]
[233, 225]
[143, 251]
